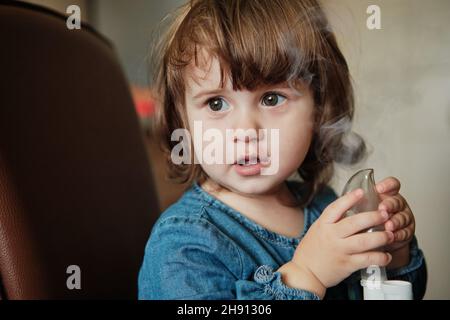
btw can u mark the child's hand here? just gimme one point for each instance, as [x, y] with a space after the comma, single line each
[401, 221]
[333, 248]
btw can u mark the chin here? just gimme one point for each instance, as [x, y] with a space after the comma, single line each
[252, 185]
[246, 185]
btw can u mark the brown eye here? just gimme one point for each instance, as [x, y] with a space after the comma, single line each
[272, 99]
[217, 104]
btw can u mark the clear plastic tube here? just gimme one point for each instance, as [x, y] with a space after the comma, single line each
[373, 276]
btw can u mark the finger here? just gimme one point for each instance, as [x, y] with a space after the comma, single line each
[366, 259]
[389, 186]
[359, 222]
[398, 221]
[368, 241]
[404, 234]
[335, 210]
[393, 204]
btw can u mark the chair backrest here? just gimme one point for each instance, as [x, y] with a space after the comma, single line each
[76, 186]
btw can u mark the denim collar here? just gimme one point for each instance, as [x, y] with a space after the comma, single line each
[253, 226]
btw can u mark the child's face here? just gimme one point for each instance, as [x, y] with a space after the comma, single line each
[275, 107]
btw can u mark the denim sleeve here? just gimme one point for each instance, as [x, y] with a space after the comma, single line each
[267, 285]
[189, 258]
[415, 272]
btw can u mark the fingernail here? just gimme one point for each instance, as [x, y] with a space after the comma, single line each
[390, 256]
[384, 214]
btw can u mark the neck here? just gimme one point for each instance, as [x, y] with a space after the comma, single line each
[276, 197]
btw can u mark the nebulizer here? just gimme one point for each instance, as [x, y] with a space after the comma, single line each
[374, 280]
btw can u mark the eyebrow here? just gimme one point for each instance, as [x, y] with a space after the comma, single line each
[207, 92]
[283, 85]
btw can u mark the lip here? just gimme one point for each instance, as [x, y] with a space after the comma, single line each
[251, 169]
[254, 159]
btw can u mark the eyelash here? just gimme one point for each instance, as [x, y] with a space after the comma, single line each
[206, 103]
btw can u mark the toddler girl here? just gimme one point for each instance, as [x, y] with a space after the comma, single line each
[249, 228]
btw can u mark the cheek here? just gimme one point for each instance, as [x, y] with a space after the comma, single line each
[293, 153]
[212, 170]
[295, 141]
[207, 138]
[192, 115]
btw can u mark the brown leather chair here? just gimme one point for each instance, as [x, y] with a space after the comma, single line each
[76, 186]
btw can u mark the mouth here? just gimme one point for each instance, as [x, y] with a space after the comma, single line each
[250, 160]
[250, 165]
[247, 160]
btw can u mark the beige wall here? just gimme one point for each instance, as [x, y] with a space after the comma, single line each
[402, 82]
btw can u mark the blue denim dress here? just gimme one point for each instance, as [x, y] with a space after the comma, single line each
[200, 248]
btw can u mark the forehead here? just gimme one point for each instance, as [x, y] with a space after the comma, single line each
[203, 73]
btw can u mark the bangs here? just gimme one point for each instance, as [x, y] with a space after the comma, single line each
[256, 42]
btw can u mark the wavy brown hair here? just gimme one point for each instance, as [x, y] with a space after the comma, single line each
[262, 42]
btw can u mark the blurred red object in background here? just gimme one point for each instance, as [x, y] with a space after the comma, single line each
[144, 108]
[143, 101]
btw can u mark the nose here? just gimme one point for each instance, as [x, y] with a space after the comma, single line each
[247, 129]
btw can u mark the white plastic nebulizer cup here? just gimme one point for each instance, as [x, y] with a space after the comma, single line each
[372, 290]
[387, 290]
[397, 290]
